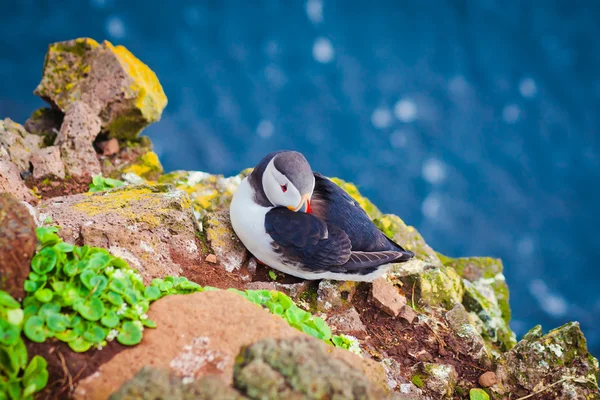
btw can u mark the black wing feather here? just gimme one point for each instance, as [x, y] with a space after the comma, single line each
[307, 240]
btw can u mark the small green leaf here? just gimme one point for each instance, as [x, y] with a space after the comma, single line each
[152, 293]
[19, 355]
[296, 315]
[64, 247]
[86, 276]
[91, 309]
[14, 389]
[119, 285]
[31, 286]
[110, 319]
[44, 295]
[48, 309]
[81, 252]
[44, 261]
[275, 308]
[9, 333]
[47, 235]
[57, 322]
[98, 283]
[149, 323]
[119, 263]
[165, 286]
[115, 298]
[34, 329]
[7, 301]
[478, 394]
[15, 316]
[95, 334]
[272, 275]
[36, 374]
[130, 334]
[66, 336]
[80, 345]
[322, 327]
[71, 268]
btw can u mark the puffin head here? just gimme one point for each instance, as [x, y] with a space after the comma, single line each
[288, 181]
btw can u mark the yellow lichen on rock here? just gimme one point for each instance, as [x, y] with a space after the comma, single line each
[122, 90]
[147, 166]
[151, 99]
[120, 202]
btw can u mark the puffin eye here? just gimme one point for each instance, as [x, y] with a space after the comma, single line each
[284, 188]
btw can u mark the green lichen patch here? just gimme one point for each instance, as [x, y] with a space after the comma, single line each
[406, 236]
[557, 365]
[433, 286]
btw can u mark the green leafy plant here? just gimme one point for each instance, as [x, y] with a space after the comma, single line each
[100, 183]
[478, 394]
[18, 379]
[86, 297]
[280, 304]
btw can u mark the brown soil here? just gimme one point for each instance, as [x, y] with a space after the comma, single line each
[66, 367]
[409, 344]
[46, 188]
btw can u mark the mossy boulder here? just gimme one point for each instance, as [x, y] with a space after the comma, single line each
[299, 368]
[160, 384]
[487, 297]
[439, 379]
[557, 364]
[118, 87]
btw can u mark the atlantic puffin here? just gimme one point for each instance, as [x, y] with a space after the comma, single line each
[299, 222]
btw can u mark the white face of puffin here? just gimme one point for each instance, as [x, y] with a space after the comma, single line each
[281, 191]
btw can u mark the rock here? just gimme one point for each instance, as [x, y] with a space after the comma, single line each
[211, 258]
[335, 296]
[46, 162]
[438, 378]
[45, 122]
[18, 143]
[481, 301]
[154, 384]
[386, 297]
[151, 227]
[77, 133]
[299, 368]
[108, 147]
[432, 286]
[10, 179]
[146, 165]
[460, 322]
[118, 87]
[348, 323]
[538, 361]
[407, 314]
[17, 244]
[208, 192]
[223, 241]
[486, 294]
[487, 379]
[201, 334]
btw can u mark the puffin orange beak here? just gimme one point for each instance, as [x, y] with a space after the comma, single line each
[304, 205]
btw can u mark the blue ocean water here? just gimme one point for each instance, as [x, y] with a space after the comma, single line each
[474, 120]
